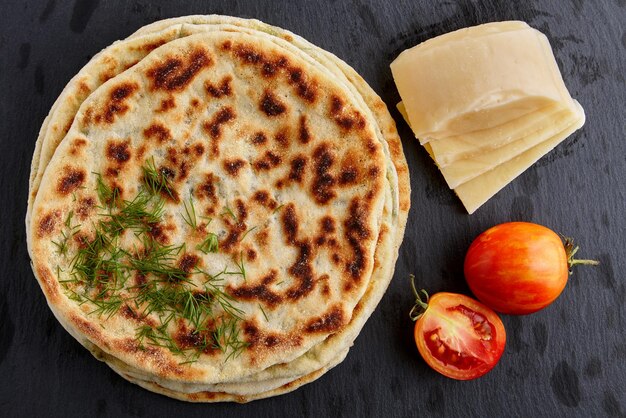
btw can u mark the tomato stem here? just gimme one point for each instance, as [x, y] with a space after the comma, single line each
[420, 306]
[570, 251]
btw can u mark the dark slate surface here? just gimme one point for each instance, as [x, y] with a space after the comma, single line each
[568, 360]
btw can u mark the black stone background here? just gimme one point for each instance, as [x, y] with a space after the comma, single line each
[568, 360]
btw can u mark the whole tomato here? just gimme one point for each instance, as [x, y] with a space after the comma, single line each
[519, 267]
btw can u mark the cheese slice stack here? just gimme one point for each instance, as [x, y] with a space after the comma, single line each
[486, 103]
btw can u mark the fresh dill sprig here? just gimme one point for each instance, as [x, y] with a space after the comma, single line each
[61, 244]
[100, 270]
[106, 307]
[72, 295]
[213, 286]
[88, 262]
[68, 219]
[157, 299]
[107, 196]
[155, 180]
[144, 331]
[229, 212]
[190, 214]
[70, 230]
[210, 244]
[157, 259]
[198, 309]
[158, 337]
[278, 208]
[241, 266]
[137, 215]
[226, 336]
[247, 232]
[263, 312]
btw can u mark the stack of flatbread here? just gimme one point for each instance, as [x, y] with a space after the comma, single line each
[486, 102]
[216, 207]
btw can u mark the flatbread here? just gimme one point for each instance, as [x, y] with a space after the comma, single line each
[396, 150]
[106, 64]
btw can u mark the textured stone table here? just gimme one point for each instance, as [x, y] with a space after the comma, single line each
[568, 360]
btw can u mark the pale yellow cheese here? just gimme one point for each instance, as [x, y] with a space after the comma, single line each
[466, 169]
[486, 103]
[477, 191]
[477, 82]
[451, 149]
[473, 32]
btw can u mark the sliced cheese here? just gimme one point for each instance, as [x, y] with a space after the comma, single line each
[477, 31]
[464, 170]
[477, 191]
[454, 148]
[486, 103]
[477, 82]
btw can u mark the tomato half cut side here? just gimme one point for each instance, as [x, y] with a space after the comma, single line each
[459, 337]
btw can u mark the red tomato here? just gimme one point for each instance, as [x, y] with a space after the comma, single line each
[458, 336]
[518, 267]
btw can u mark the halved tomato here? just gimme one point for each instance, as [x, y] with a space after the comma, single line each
[458, 336]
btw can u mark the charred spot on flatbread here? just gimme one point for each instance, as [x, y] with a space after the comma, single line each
[223, 89]
[71, 179]
[117, 103]
[176, 74]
